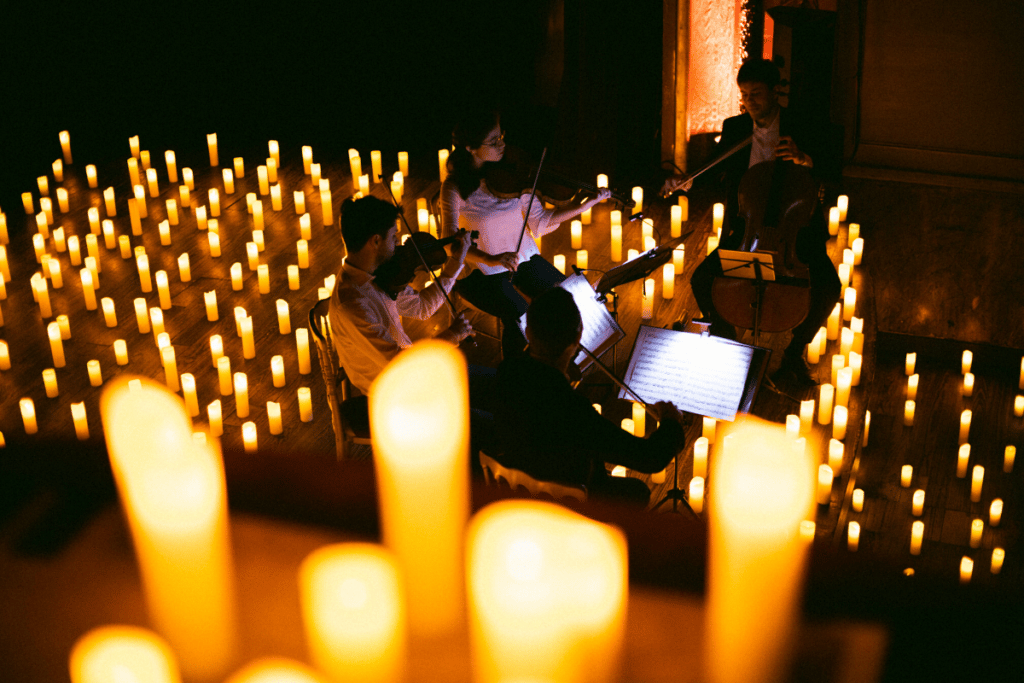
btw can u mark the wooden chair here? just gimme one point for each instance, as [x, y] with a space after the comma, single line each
[335, 381]
[495, 473]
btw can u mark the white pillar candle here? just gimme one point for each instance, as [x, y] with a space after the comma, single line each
[121, 352]
[241, 386]
[224, 376]
[142, 315]
[963, 456]
[188, 391]
[839, 421]
[668, 281]
[43, 297]
[216, 348]
[835, 455]
[421, 435]
[842, 203]
[214, 417]
[65, 327]
[977, 478]
[50, 382]
[712, 243]
[248, 344]
[277, 371]
[696, 494]
[211, 145]
[977, 529]
[263, 278]
[995, 512]
[88, 289]
[1009, 455]
[62, 201]
[718, 216]
[833, 221]
[965, 362]
[145, 281]
[314, 175]
[253, 254]
[844, 379]
[170, 364]
[302, 346]
[628, 426]
[28, 415]
[214, 196]
[917, 505]
[90, 176]
[300, 202]
[916, 537]
[616, 242]
[236, 276]
[151, 182]
[163, 289]
[327, 207]
[125, 654]
[124, 244]
[825, 477]
[140, 203]
[305, 404]
[853, 232]
[708, 429]
[93, 216]
[845, 341]
[109, 315]
[173, 492]
[201, 222]
[857, 503]
[1018, 406]
[5, 268]
[853, 536]
[559, 263]
[849, 303]
[825, 395]
[855, 364]
[275, 197]
[968, 385]
[908, 413]
[966, 569]
[832, 324]
[302, 247]
[858, 250]
[998, 555]
[284, 321]
[760, 493]
[700, 457]
[793, 426]
[912, 383]
[965, 425]
[240, 315]
[376, 165]
[214, 240]
[56, 345]
[911, 364]
[184, 268]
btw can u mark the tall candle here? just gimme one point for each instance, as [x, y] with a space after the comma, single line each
[917, 505]
[214, 239]
[151, 182]
[214, 417]
[825, 395]
[912, 383]
[998, 555]
[696, 494]
[275, 197]
[832, 324]
[142, 264]
[376, 165]
[844, 378]
[56, 345]
[856, 362]
[835, 455]
[833, 221]
[708, 429]
[300, 202]
[62, 201]
[916, 537]
[760, 493]
[5, 356]
[241, 384]
[28, 415]
[668, 281]
[305, 404]
[302, 247]
[248, 344]
[201, 222]
[109, 315]
[274, 418]
[277, 370]
[284, 321]
[216, 348]
[188, 391]
[977, 529]
[857, 503]
[224, 375]
[965, 425]
[616, 242]
[302, 345]
[174, 496]
[214, 196]
[858, 250]
[548, 594]
[170, 364]
[1018, 404]
[50, 382]
[718, 216]
[840, 416]
[419, 415]
[825, 477]
[962, 458]
[163, 289]
[968, 385]
[995, 511]
[263, 278]
[911, 363]
[211, 144]
[977, 478]
[314, 177]
[965, 362]
[307, 158]
[849, 303]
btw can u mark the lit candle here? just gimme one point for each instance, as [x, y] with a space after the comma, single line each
[917, 506]
[700, 457]
[965, 362]
[853, 536]
[678, 259]
[240, 315]
[833, 221]
[88, 289]
[173, 493]
[849, 303]
[109, 315]
[844, 274]
[5, 268]
[559, 263]
[163, 289]
[535, 612]
[995, 512]
[965, 425]
[145, 281]
[92, 247]
[1009, 455]
[616, 244]
[968, 386]
[224, 375]
[911, 363]
[977, 478]
[50, 382]
[908, 413]
[43, 297]
[284, 321]
[140, 205]
[422, 439]
[263, 278]
[966, 569]
[844, 378]
[582, 259]
[761, 493]
[277, 370]
[856, 362]
[1018, 406]
[998, 555]
[858, 500]
[126, 654]
[90, 176]
[56, 345]
[305, 404]
[712, 243]
[121, 352]
[302, 346]
[216, 348]
[241, 384]
[718, 216]
[170, 364]
[825, 477]
[668, 281]
[293, 277]
[835, 455]
[214, 417]
[44, 185]
[314, 175]
[825, 396]
[275, 197]
[201, 218]
[188, 391]
[62, 202]
[840, 416]
[28, 415]
[962, 458]
[211, 144]
[124, 244]
[912, 383]
[327, 207]
[214, 196]
[708, 430]
[858, 251]
[248, 345]
[65, 327]
[832, 324]
[5, 356]
[813, 353]
[628, 425]
[214, 239]
[977, 528]
[806, 415]
[302, 247]
[236, 276]
[916, 537]
[696, 494]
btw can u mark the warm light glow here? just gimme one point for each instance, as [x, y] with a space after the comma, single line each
[275, 670]
[122, 654]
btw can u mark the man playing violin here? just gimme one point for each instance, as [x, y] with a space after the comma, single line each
[777, 134]
[366, 323]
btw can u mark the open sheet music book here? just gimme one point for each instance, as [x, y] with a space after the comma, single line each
[600, 331]
[699, 374]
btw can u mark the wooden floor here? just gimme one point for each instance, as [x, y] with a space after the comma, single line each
[930, 445]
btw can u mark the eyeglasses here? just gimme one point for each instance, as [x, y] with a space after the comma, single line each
[496, 142]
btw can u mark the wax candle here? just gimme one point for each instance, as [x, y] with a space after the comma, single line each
[962, 458]
[845, 342]
[145, 281]
[668, 281]
[302, 346]
[840, 416]
[188, 391]
[995, 511]
[853, 536]
[616, 242]
[305, 404]
[56, 345]
[909, 408]
[536, 614]
[844, 274]
[214, 196]
[275, 197]
[965, 425]
[121, 352]
[224, 375]
[44, 185]
[327, 207]
[582, 259]
[977, 478]
[201, 222]
[263, 278]
[849, 303]
[211, 144]
[163, 289]
[314, 176]
[62, 203]
[214, 417]
[284, 321]
[813, 348]
[1018, 406]
[216, 348]
[912, 383]
[109, 315]
[28, 415]
[998, 555]
[302, 247]
[718, 216]
[90, 176]
[825, 476]
[5, 268]
[857, 502]
[977, 529]
[163, 339]
[678, 259]
[832, 324]
[173, 493]
[122, 653]
[240, 315]
[257, 215]
[917, 506]
[151, 181]
[968, 386]
[696, 494]
[214, 239]
[170, 364]
[1009, 455]
[50, 382]
[293, 277]
[911, 363]
[124, 244]
[708, 430]
[761, 492]
[43, 296]
[248, 344]
[628, 426]
[825, 395]
[793, 426]
[712, 243]
[5, 356]
[916, 537]
[277, 370]
[965, 362]
[835, 455]
[858, 251]
[966, 569]
[241, 385]
[300, 202]
[833, 221]
[844, 378]
[855, 363]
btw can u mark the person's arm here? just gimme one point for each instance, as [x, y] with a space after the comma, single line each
[423, 304]
[607, 442]
[568, 213]
[361, 337]
[451, 207]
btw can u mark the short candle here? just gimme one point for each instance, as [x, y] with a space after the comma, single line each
[277, 371]
[249, 437]
[977, 528]
[1009, 455]
[120, 352]
[966, 569]
[696, 497]
[917, 506]
[916, 537]
[977, 478]
[853, 536]
[857, 504]
[908, 413]
[995, 512]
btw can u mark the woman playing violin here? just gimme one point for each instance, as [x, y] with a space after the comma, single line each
[467, 202]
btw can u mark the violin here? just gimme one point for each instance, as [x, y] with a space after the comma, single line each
[514, 175]
[397, 272]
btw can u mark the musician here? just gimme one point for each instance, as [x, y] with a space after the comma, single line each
[468, 202]
[777, 134]
[554, 434]
[365, 322]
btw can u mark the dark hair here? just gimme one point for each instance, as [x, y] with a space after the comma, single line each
[363, 218]
[553, 320]
[759, 71]
[471, 131]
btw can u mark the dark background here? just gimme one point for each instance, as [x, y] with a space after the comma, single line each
[584, 77]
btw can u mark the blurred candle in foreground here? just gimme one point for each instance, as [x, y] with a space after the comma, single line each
[965, 362]
[761, 492]
[174, 496]
[353, 612]
[419, 415]
[916, 537]
[122, 654]
[548, 590]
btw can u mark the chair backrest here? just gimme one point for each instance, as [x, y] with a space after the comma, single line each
[320, 326]
[494, 472]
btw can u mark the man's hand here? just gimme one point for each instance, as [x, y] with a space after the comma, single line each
[787, 150]
[458, 255]
[676, 183]
[508, 259]
[667, 411]
[457, 331]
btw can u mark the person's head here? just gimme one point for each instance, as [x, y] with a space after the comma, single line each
[479, 133]
[553, 324]
[758, 80]
[368, 227]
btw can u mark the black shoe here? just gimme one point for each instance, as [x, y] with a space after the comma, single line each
[794, 369]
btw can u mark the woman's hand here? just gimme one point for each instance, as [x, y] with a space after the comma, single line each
[508, 259]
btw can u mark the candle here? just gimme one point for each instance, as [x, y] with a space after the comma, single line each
[211, 144]
[1009, 455]
[248, 345]
[806, 415]
[302, 345]
[124, 244]
[277, 370]
[284, 321]
[5, 268]
[832, 324]
[835, 455]
[214, 417]
[56, 345]
[140, 205]
[240, 315]
[163, 289]
[911, 363]
[582, 259]
[912, 383]
[293, 277]
[858, 251]
[173, 493]
[43, 297]
[126, 654]
[314, 176]
[968, 386]
[965, 362]
[64, 326]
[88, 289]
[224, 375]
[1018, 406]
[28, 415]
[616, 242]
[833, 221]
[188, 391]
[214, 196]
[145, 281]
[995, 512]
[908, 412]
[712, 243]
[977, 528]
[708, 430]
[849, 302]
[856, 362]
[275, 197]
[257, 216]
[853, 536]
[678, 259]
[302, 246]
[966, 569]
[825, 396]
[962, 457]
[917, 506]
[844, 378]
[676, 220]
[90, 175]
[628, 426]
[718, 216]
[263, 278]
[151, 181]
[307, 158]
[845, 342]
[965, 425]
[537, 614]
[977, 477]
[668, 281]
[62, 202]
[916, 537]
[559, 263]
[840, 416]
[825, 477]
[858, 500]
[120, 352]
[216, 348]
[241, 384]
[326, 207]
[170, 364]
[761, 493]
[422, 441]
[50, 382]
[5, 356]
[998, 555]
[214, 239]
[844, 274]
[44, 185]
[201, 218]
[236, 276]
[109, 315]
[305, 404]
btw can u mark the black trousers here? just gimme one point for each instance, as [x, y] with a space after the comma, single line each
[500, 296]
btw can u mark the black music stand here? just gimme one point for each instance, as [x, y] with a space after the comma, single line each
[750, 265]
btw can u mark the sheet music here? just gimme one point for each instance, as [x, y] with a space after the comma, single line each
[701, 375]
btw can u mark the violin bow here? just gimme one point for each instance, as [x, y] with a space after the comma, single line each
[529, 206]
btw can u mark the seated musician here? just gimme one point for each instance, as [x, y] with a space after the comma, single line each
[366, 323]
[554, 434]
[777, 134]
[467, 201]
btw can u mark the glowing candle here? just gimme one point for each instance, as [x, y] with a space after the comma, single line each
[284, 321]
[559, 263]
[109, 315]
[535, 613]
[761, 493]
[293, 277]
[28, 415]
[718, 216]
[840, 416]
[825, 396]
[1018, 406]
[275, 197]
[678, 259]
[912, 383]
[50, 382]
[998, 555]
[962, 458]
[844, 378]
[236, 276]
[966, 569]
[263, 278]
[307, 158]
[376, 165]
[124, 244]
[214, 196]
[241, 385]
[849, 303]
[173, 492]
[668, 281]
[327, 207]
[214, 240]
[305, 404]
[858, 251]
[1009, 455]
[844, 274]
[145, 281]
[911, 363]
[56, 345]
[151, 181]
[793, 426]
[712, 243]
[188, 391]
[125, 654]
[64, 326]
[240, 315]
[582, 259]
[170, 364]
[5, 268]
[214, 417]
[211, 144]
[248, 345]
[977, 528]
[908, 412]
[832, 324]
[302, 247]
[857, 503]
[708, 429]
[43, 296]
[853, 536]
[813, 348]
[163, 289]
[5, 356]
[90, 176]
[88, 289]
[224, 375]
[62, 202]
[216, 348]
[201, 218]
[917, 506]
[92, 247]
[968, 385]
[977, 478]
[855, 364]
[314, 176]
[628, 425]
[120, 352]
[825, 477]
[833, 221]
[616, 244]
[835, 455]
[965, 362]
[44, 185]
[845, 342]
[995, 512]
[965, 425]
[302, 346]
[364, 184]
[700, 457]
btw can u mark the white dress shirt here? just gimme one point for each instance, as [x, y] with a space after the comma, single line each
[765, 141]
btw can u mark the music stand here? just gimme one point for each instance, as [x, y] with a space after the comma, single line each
[750, 265]
[640, 267]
